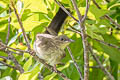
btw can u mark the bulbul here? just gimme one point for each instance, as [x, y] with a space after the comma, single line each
[51, 48]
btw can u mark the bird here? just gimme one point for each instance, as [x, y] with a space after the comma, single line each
[50, 48]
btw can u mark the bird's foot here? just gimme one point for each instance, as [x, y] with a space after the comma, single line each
[54, 68]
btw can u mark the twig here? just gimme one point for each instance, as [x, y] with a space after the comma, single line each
[17, 49]
[96, 4]
[18, 66]
[40, 77]
[77, 10]
[106, 16]
[67, 12]
[75, 63]
[11, 57]
[103, 42]
[5, 64]
[3, 57]
[100, 64]
[86, 11]
[9, 20]
[3, 46]
[111, 20]
[84, 41]
[16, 52]
[21, 25]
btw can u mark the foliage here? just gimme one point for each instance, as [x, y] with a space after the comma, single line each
[36, 16]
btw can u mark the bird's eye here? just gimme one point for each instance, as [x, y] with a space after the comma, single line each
[62, 39]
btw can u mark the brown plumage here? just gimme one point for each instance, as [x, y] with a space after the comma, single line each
[51, 48]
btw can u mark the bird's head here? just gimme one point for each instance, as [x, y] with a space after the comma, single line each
[63, 41]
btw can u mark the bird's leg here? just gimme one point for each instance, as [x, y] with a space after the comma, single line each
[32, 52]
[54, 67]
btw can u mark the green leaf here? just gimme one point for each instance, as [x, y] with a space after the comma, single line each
[3, 67]
[51, 76]
[6, 78]
[97, 12]
[114, 69]
[14, 38]
[72, 72]
[112, 52]
[27, 64]
[114, 5]
[92, 32]
[31, 75]
[35, 5]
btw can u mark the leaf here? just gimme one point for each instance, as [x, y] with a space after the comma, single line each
[114, 5]
[27, 64]
[3, 67]
[2, 36]
[97, 12]
[35, 5]
[112, 52]
[76, 51]
[51, 76]
[6, 78]
[31, 75]
[114, 69]
[2, 53]
[38, 29]
[14, 39]
[96, 74]
[30, 21]
[72, 72]
[92, 32]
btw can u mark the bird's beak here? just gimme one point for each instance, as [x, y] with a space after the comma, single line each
[70, 40]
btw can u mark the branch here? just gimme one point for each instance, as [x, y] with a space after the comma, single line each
[106, 72]
[3, 57]
[5, 64]
[65, 10]
[3, 47]
[21, 25]
[106, 16]
[40, 77]
[18, 66]
[77, 10]
[9, 21]
[86, 11]
[105, 43]
[75, 63]
[11, 57]
[17, 49]
[96, 4]
[100, 41]
[111, 20]
[84, 41]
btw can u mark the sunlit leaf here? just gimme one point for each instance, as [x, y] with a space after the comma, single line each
[27, 64]
[51, 76]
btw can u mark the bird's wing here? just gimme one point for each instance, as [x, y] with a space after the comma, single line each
[45, 35]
